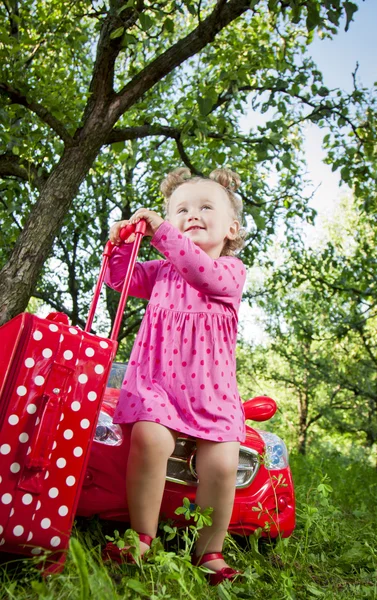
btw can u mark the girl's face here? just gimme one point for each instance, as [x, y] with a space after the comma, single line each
[202, 211]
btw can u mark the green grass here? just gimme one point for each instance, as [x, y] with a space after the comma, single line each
[331, 555]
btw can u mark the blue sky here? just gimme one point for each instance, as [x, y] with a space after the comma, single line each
[337, 58]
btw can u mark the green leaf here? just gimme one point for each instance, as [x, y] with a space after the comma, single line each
[118, 146]
[137, 586]
[169, 25]
[128, 4]
[146, 21]
[116, 33]
[314, 590]
[350, 9]
[205, 105]
[323, 91]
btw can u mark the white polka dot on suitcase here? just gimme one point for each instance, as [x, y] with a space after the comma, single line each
[61, 463]
[99, 369]
[36, 550]
[21, 390]
[61, 337]
[68, 354]
[15, 467]
[39, 380]
[5, 449]
[27, 499]
[61, 417]
[1, 529]
[38, 505]
[23, 437]
[37, 335]
[2, 542]
[45, 523]
[6, 498]
[28, 450]
[54, 445]
[75, 406]
[18, 530]
[47, 353]
[73, 331]
[30, 536]
[68, 434]
[53, 327]
[37, 421]
[104, 344]
[13, 420]
[47, 475]
[78, 451]
[53, 492]
[92, 396]
[83, 378]
[29, 363]
[70, 481]
[89, 352]
[11, 512]
[55, 541]
[84, 424]
[31, 409]
[63, 510]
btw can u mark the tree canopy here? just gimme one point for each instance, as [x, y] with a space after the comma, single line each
[99, 99]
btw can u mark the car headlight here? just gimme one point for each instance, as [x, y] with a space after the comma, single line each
[182, 464]
[276, 453]
[108, 432]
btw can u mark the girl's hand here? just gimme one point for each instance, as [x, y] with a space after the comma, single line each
[114, 233]
[152, 218]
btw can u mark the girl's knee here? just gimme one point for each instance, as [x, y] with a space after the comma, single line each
[222, 469]
[152, 439]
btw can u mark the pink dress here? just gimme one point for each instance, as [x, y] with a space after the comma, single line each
[182, 368]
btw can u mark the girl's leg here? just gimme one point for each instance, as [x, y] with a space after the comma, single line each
[216, 465]
[151, 446]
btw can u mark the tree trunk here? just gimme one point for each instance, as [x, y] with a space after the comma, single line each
[19, 276]
[303, 405]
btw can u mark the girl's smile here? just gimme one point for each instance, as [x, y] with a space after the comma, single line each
[202, 210]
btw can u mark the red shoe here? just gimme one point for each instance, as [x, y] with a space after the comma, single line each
[123, 555]
[217, 576]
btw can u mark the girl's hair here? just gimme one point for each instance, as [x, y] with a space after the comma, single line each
[228, 180]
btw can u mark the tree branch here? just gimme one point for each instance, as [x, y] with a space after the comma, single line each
[11, 165]
[18, 97]
[102, 82]
[221, 16]
[57, 306]
[10, 213]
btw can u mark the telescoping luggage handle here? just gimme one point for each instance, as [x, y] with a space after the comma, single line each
[124, 234]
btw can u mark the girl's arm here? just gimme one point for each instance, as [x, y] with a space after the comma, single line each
[143, 278]
[224, 277]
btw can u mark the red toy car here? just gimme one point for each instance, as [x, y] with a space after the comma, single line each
[264, 488]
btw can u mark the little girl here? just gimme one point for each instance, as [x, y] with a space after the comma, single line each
[181, 376]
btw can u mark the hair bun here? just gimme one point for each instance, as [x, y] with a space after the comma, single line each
[173, 180]
[227, 178]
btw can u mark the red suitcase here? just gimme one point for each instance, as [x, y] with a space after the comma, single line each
[52, 380]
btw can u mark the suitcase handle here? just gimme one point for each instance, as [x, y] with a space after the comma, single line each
[125, 232]
[43, 439]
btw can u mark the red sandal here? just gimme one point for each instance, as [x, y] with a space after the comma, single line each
[123, 555]
[217, 576]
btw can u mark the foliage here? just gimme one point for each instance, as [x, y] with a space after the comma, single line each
[99, 100]
[330, 555]
[320, 309]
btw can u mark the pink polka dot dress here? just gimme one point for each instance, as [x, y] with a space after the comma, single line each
[182, 369]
